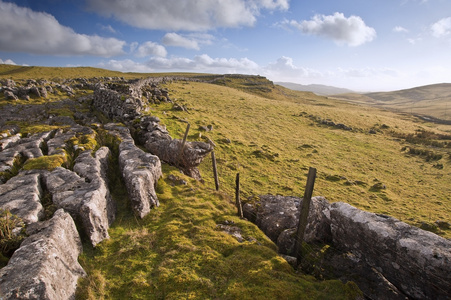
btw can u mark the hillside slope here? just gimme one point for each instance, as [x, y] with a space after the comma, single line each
[319, 89]
[430, 100]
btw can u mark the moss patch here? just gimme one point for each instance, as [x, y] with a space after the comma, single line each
[45, 162]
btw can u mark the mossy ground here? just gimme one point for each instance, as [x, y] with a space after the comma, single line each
[273, 141]
[271, 136]
[177, 252]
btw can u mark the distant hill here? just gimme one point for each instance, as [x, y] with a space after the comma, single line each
[431, 100]
[319, 89]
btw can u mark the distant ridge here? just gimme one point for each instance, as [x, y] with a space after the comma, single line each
[319, 89]
[432, 100]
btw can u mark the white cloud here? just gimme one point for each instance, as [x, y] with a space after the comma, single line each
[285, 68]
[176, 40]
[441, 28]
[400, 29]
[150, 49]
[24, 30]
[108, 28]
[188, 41]
[203, 63]
[7, 62]
[190, 15]
[351, 31]
[126, 65]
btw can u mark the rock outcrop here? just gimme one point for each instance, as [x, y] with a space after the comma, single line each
[156, 140]
[416, 261]
[140, 171]
[278, 217]
[84, 193]
[21, 195]
[388, 259]
[46, 265]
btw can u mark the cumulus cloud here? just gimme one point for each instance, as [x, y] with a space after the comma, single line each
[191, 15]
[7, 62]
[24, 30]
[202, 63]
[285, 67]
[107, 28]
[150, 49]
[188, 41]
[351, 31]
[441, 28]
[176, 40]
[400, 29]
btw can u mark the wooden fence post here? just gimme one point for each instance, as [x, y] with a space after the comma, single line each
[237, 196]
[184, 141]
[304, 213]
[215, 170]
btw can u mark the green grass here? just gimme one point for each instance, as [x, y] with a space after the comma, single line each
[177, 252]
[271, 136]
[274, 142]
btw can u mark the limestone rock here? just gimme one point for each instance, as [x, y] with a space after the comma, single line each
[140, 171]
[417, 262]
[9, 141]
[156, 140]
[85, 195]
[45, 266]
[21, 196]
[278, 217]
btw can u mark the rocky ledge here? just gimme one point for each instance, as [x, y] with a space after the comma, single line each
[387, 258]
[66, 170]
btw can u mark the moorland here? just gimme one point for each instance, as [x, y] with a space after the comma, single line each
[378, 160]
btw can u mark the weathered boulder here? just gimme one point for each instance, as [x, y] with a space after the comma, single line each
[46, 264]
[29, 147]
[278, 217]
[21, 196]
[85, 195]
[156, 140]
[9, 141]
[140, 171]
[417, 262]
[9, 95]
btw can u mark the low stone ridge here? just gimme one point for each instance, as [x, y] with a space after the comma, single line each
[278, 217]
[388, 259]
[21, 196]
[140, 171]
[84, 193]
[156, 140]
[29, 147]
[46, 264]
[416, 261]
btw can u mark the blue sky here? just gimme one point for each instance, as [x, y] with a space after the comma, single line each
[365, 45]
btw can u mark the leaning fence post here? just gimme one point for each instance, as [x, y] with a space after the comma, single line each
[237, 196]
[184, 141]
[304, 213]
[215, 170]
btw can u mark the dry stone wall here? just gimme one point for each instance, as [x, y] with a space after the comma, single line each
[387, 258]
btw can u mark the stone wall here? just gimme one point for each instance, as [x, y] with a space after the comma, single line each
[387, 258]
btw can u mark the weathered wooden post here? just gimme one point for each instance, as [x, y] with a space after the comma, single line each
[215, 170]
[304, 213]
[237, 196]
[182, 146]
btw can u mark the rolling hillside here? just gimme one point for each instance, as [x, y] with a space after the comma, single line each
[430, 100]
[374, 159]
[318, 89]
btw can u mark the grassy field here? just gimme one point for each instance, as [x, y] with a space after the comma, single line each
[272, 141]
[387, 163]
[431, 100]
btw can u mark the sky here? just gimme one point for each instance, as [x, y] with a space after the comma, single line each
[363, 45]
